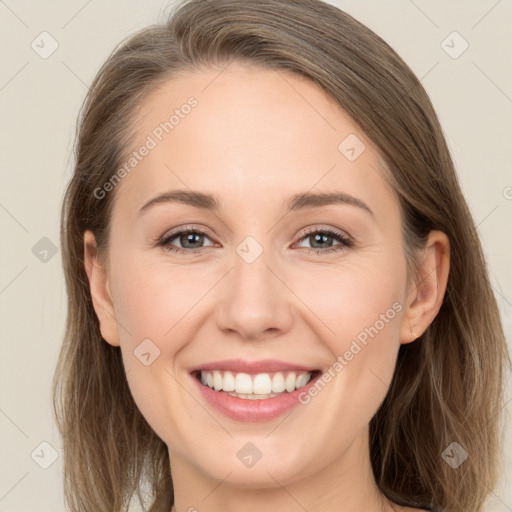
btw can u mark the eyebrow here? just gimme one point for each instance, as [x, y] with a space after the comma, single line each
[297, 202]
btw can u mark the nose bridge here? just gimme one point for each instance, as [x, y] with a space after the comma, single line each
[253, 301]
[251, 274]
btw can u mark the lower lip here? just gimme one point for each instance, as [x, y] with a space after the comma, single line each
[247, 410]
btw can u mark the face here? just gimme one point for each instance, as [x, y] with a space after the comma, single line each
[316, 285]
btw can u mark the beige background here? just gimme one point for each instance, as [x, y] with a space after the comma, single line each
[39, 102]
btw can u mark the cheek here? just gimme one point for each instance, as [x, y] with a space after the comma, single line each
[155, 305]
[358, 311]
[155, 300]
[347, 300]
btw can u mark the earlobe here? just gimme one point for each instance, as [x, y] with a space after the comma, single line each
[100, 291]
[426, 297]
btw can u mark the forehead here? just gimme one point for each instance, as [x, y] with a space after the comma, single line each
[249, 132]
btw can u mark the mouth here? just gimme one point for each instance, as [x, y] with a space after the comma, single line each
[254, 391]
[250, 386]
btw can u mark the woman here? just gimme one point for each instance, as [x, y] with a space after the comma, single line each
[329, 340]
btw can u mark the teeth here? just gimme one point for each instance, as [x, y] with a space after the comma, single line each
[243, 383]
[217, 380]
[278, 383]
[228, 383]
[254, 397]
[251, 387]
[289, 382]
[302, 380]
[262, 384]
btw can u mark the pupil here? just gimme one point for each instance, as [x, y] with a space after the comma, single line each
[321, 238]
[189, 238]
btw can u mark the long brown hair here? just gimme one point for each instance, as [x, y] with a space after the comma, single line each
[448, 385]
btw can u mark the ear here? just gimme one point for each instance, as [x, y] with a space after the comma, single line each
[425, 297]
[100, 291]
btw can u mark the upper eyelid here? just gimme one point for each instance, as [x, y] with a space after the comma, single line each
[314, 228]
[178, 231]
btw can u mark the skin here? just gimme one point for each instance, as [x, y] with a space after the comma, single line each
[256, 138]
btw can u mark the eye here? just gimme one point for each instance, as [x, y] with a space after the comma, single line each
[190, 240]
[322, 238]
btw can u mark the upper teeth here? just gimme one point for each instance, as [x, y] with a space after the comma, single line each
[260, 384]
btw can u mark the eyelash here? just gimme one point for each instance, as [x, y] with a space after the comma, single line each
[345, 242]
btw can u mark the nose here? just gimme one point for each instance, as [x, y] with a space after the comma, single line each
[255, 302]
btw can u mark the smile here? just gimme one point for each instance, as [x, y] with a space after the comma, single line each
[246, 392]
[254, 387]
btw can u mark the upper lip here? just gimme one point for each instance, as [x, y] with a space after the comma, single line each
[261, 366]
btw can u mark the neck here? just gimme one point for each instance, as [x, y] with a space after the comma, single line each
[346, 483]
